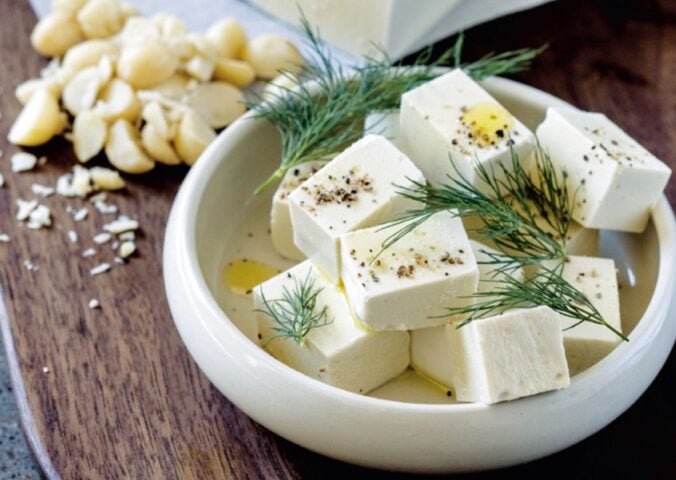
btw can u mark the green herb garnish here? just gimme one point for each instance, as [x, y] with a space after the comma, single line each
[318, 124]
[295, 313]
[508, 206]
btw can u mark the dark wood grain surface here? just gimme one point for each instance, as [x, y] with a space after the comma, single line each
[122, 398]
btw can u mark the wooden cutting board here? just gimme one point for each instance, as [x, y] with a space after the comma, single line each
[112, 392]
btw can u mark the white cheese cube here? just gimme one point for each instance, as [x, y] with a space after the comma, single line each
[587, 343]
[617, 181]
[280, 218]
[430, 348]
[414, 280]
[340, 353]
[357, 189]
[507, 356]
[453, 118]
[385, 123]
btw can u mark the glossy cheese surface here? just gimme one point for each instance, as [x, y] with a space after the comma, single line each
[340, 353]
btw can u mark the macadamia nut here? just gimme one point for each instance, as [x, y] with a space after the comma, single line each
[270, 54]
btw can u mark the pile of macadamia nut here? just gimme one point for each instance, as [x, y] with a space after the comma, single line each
[143, 90]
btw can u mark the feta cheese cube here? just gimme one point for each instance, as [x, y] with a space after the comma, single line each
[430, 348]
[507, 356]
[357, 189]
[587, 343]
[341, 353]
[385, 123]
[280, 218]
[452, 118]
[617, 181]
[414, 280]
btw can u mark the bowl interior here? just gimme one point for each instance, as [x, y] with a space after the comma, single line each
[233, 224]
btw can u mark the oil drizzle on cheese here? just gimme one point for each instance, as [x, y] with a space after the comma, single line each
[357, 322]
[242, 275]
[488, 123]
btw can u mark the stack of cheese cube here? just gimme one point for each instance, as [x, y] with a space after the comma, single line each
[388, 307]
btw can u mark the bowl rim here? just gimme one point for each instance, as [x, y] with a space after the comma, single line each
[190, 198]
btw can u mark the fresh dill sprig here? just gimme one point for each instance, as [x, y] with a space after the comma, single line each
[318, 122]
[546, 287]
[295, 313]
[509, 203]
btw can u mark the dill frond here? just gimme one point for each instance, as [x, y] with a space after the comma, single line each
[295, 313]
[509, 206]
[546, 287]
[318, 122]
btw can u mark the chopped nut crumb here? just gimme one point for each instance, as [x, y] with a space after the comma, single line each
[99, 269]
[80, 215]
[127, 249]
[41, 190]
[102, 238]
[121, 225]
[23, 161]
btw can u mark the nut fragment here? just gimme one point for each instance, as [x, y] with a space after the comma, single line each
[228, 38]
[23, 161]
[202, 46]
[173, 87]
[237, 72]
[270, 54]
[81, 92]
[40, 217]
[154, 115]
[25, 208]
[124, 151]
[118, 101]
[127, 249]
[39, 120]
[279, 86]
[55, 34]
[147, 64]
[100, 18]
[158, 146]
[192, 137]
[42, 190]
[99, 269]
[81, 183]
[106, 179]
[200, 67]
[169, 25]
[88, 54]
[120, 225]
[219, 103]
[24, 91]
[89, 135]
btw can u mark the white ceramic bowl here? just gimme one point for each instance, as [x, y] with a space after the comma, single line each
[207, 225]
